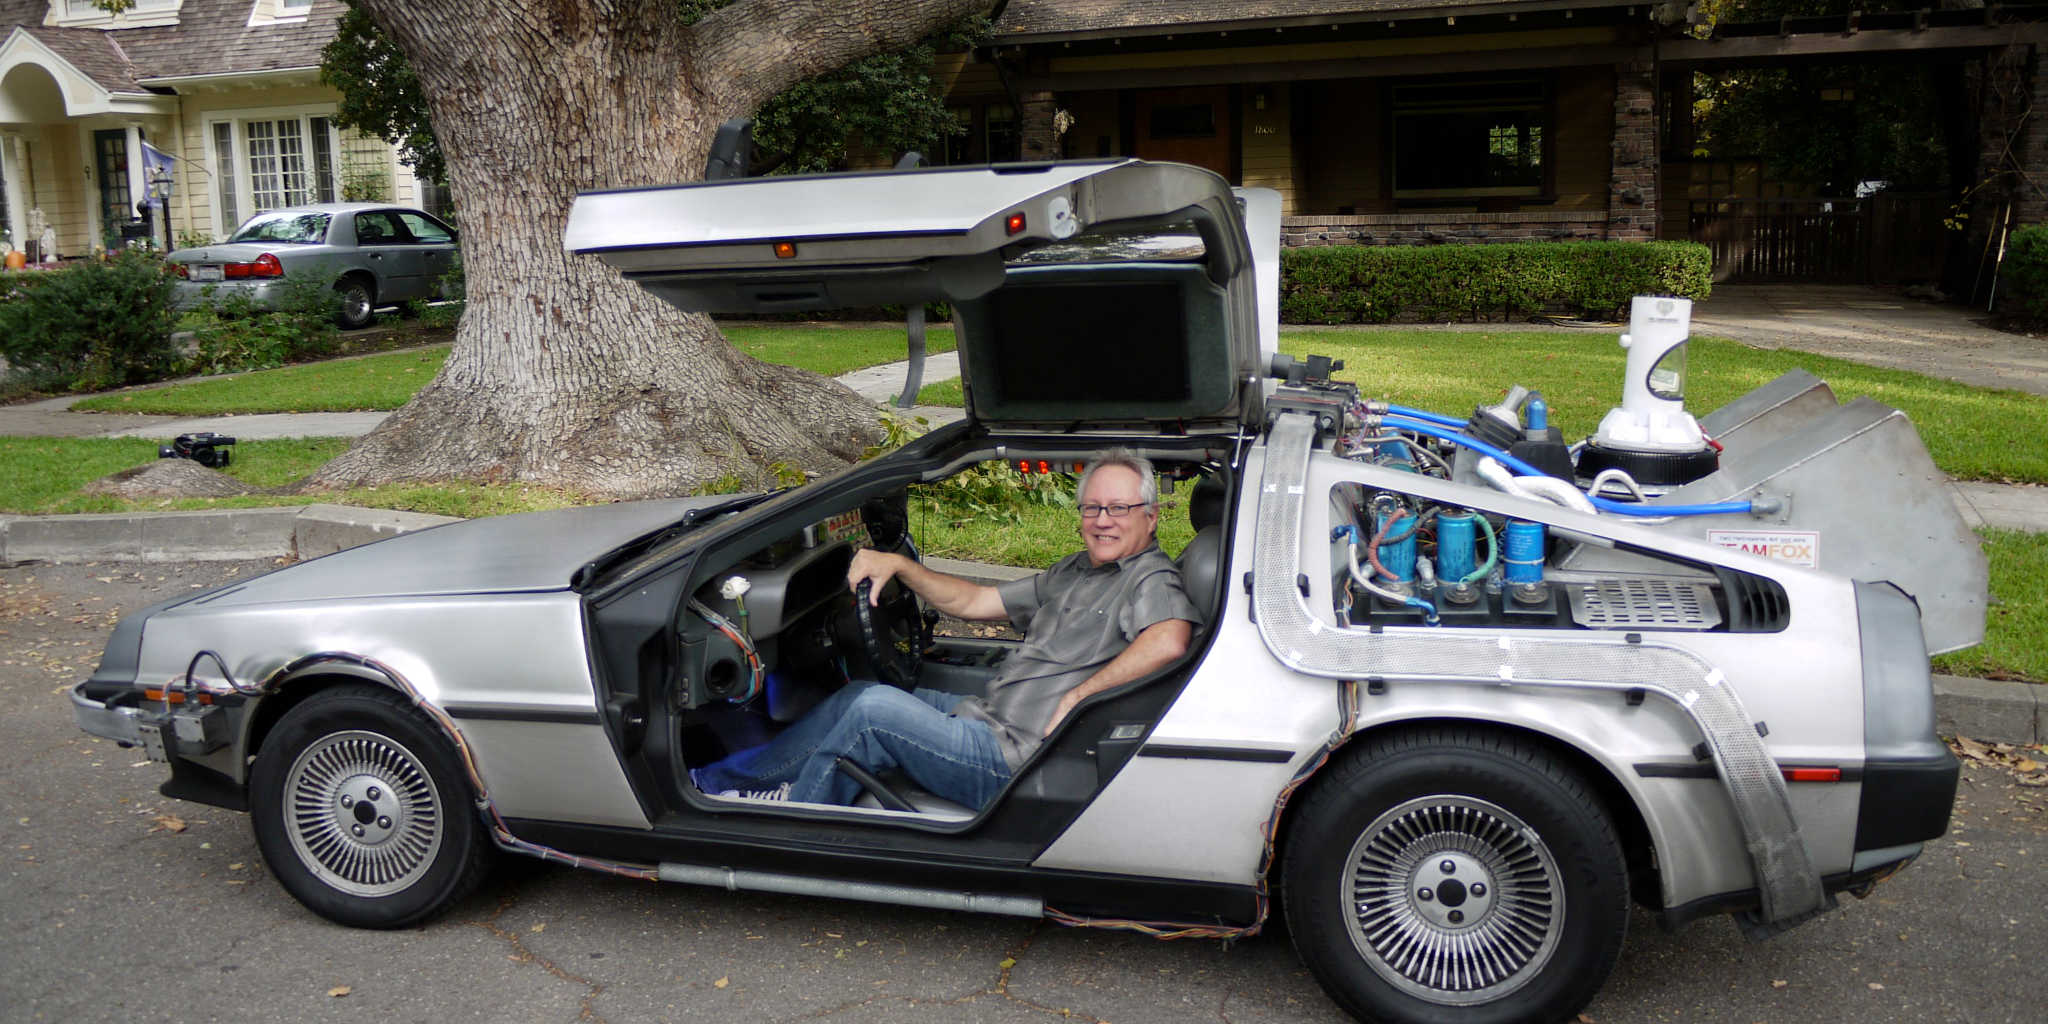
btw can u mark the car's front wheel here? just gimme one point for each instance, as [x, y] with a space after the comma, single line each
[361, 810]
[358, 303]
[1455, 874]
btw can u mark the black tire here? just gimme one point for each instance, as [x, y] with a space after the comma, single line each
[358, 303]
[1475, 855]
[363, 811]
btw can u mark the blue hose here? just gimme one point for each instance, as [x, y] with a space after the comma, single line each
[1519, 466]
[1425, 416]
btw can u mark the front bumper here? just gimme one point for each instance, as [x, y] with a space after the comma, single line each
[161, 733]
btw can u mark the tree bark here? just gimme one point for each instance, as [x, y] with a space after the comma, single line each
[562, 373]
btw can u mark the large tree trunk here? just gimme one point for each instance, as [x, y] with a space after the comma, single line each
[563, 373]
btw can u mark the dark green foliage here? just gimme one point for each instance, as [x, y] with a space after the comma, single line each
[1382, 284]
[2024, 290]
[380, 94]
[232, 335]
[888, 101]
[90, 325]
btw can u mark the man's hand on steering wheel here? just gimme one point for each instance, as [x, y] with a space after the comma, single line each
[876, 568]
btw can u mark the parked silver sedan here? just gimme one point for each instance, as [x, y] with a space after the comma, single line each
[374, 254]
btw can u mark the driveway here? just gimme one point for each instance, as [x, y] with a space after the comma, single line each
[1866, 325]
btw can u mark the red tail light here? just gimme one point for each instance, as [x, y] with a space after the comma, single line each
[265, 265]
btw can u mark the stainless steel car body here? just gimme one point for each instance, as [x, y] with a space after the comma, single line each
[373, 242]
[567, 655]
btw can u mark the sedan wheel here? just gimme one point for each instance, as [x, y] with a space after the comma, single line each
[1456, 874]
[357, 304]
[361, 811]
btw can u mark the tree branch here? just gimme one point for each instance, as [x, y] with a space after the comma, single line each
[760, 47]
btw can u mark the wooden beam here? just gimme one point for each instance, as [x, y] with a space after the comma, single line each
[1756, 49]
[1374, 67]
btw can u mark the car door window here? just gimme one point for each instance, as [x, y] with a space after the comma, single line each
[425, 230]
[377, 228]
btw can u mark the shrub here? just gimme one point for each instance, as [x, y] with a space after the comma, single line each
[90, 325]
[1380, 284]
[232, 335]
[2025, 273]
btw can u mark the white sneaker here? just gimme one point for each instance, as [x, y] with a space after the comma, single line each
[779, 793]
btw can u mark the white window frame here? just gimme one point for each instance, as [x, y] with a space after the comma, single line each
[82, 14]
[279, 12]
[245, 194]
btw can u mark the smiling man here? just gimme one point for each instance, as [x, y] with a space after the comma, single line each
[1109, 614]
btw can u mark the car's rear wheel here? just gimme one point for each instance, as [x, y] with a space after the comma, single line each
[1456, 874]
[358, 303]
[361, 810]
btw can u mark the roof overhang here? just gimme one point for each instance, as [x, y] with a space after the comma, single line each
[1324, 20]
[220, 81]
[83, 96]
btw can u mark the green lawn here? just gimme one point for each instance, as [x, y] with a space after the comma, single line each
[387, 381]
[1971, 432]
[2016, 626]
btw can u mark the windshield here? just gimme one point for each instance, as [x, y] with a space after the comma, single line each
[306, 228]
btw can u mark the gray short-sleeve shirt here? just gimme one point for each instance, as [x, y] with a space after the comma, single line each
[1076, 617]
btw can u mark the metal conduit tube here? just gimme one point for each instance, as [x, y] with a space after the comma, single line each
[1545, 488]
[1525, 469]
[1789, 884]
[871, 892]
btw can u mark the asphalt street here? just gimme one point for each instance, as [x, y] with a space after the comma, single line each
[121, 904]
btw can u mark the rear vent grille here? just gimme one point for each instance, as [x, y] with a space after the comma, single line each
[1755, 604]
[1643, 604]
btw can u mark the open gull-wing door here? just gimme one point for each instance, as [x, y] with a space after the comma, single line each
[1111, 293]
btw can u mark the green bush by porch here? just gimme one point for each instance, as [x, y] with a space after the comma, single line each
[2025, 273]
[1384, 284]
[90, 325]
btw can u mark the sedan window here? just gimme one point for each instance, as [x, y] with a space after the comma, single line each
[377, 228]
[305, 228]
[425, 229]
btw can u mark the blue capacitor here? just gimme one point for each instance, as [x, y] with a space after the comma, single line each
[1456, 546]
[1523, 552]
[1399, 556]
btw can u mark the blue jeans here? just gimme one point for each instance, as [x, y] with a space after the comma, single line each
[880, 728]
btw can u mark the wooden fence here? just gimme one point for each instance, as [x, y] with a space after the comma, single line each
[1881, 239]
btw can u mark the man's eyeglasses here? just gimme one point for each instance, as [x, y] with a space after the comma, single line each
[1117, 511]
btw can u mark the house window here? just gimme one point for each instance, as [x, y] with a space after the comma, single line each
[1470, 139]
[271, 162]
[989, 135]
[437, 199]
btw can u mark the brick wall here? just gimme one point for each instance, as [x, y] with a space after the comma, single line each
[1036, 138]
[1444, 228]
[1632, 185]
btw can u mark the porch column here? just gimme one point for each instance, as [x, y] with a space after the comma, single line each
[1038, 139]
[138, 181]
[18, 197]
[2007, 85]
[2031, 155]
[1632, 183]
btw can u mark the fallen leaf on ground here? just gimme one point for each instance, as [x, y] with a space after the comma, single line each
[722, 982]
[537, 929]
[338, 991]
[167, 823]
[1779, 983]
[1875, 987]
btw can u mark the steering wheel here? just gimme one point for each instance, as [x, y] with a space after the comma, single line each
[893, 634]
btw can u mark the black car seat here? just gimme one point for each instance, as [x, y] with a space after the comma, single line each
[1201, 562]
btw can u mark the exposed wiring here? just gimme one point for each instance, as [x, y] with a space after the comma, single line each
[1492, 554]
[1422, 414]
[724, 625]
[1364, 580]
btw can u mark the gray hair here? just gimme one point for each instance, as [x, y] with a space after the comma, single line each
[1148, 478]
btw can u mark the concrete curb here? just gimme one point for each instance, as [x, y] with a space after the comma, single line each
[212, 535]
[1990, 710]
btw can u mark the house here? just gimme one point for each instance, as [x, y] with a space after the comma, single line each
[229, 88]
[1423, 121]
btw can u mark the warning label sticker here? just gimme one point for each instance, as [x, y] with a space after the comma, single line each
[1799, 547]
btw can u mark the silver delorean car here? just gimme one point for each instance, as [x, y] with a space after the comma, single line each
[1463, 691]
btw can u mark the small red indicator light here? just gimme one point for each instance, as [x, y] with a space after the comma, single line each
[1813, 775]
[785, 250]
[1024, 466]
[1014, 223]
[1044, 466]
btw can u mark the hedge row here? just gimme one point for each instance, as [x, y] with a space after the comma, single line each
[1382, 284]
[2025, 291]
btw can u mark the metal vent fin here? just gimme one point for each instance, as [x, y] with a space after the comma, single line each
[1643, 604]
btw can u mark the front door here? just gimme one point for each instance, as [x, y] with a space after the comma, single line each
[117, 207]
[1192, 125]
